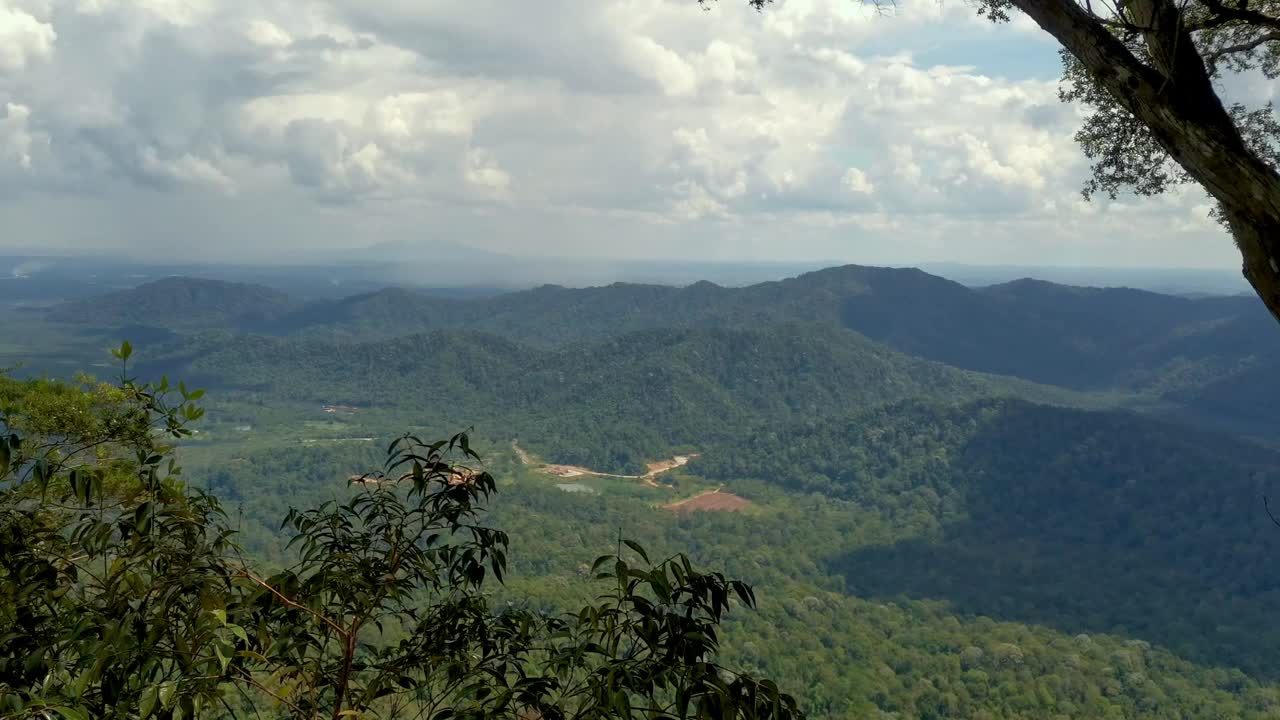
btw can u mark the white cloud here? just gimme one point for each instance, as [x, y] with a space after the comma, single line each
[23, 38]
[186, 169]
[904, 166]
[625, 127]
[483, 171]
[666, 68]
[267, 34]
[694, 202]
[16, 140]
[856, 181]
[413, 119]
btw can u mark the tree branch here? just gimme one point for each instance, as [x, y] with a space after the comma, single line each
[344, 676]
[1211, 58]
[1174, 98]
[1223, 14]
[1266, 505]
[252, 681]
[291, 603]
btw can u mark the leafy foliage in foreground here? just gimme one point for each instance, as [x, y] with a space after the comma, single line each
[112, 576]
[126, 599]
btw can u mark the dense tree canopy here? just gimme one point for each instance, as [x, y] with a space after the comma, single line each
[926, 558]
[922, 544]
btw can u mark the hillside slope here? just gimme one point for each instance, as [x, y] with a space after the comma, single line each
[1083, 521]
[610, 403]
[180, 303]
[1056, 334]
[1075, 337]
[1176, 354]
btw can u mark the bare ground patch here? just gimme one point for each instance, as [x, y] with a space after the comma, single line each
[652, 470]
[711, 501]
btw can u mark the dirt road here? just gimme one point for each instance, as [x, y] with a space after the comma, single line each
[653, 469]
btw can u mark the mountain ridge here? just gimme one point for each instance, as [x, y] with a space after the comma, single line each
[1164, 347]
[665, 387]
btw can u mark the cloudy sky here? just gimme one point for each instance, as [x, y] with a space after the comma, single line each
[817, 130]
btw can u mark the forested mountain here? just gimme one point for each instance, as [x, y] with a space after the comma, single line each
[609, 403]
[386, 313]
[1084, 338]
[181, 303]
[955, 502]
[1085, 521]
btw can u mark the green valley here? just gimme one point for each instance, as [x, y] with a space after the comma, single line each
[1019, 501]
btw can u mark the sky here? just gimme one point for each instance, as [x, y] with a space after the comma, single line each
[295, 130]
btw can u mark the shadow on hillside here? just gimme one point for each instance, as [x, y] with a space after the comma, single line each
[1147, 531]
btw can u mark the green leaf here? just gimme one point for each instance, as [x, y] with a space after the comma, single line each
[223, 660]
[258, 657]
[70, 713]
[142, 517]
[82, 681]
[622, 703]
[639, 550]
[147, 704]
[167, 689]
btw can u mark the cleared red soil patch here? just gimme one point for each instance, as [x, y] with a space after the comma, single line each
[711, 501]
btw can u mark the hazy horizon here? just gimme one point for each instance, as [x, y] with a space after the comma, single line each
[370, 254]
[338, 275]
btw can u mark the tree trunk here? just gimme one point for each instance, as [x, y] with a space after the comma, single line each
[1175, 98]
[1258, 245]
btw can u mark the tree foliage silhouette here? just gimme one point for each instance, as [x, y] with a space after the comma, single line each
[123, 594]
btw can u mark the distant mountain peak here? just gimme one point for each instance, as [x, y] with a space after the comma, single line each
[178, 301]
[704, 285]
